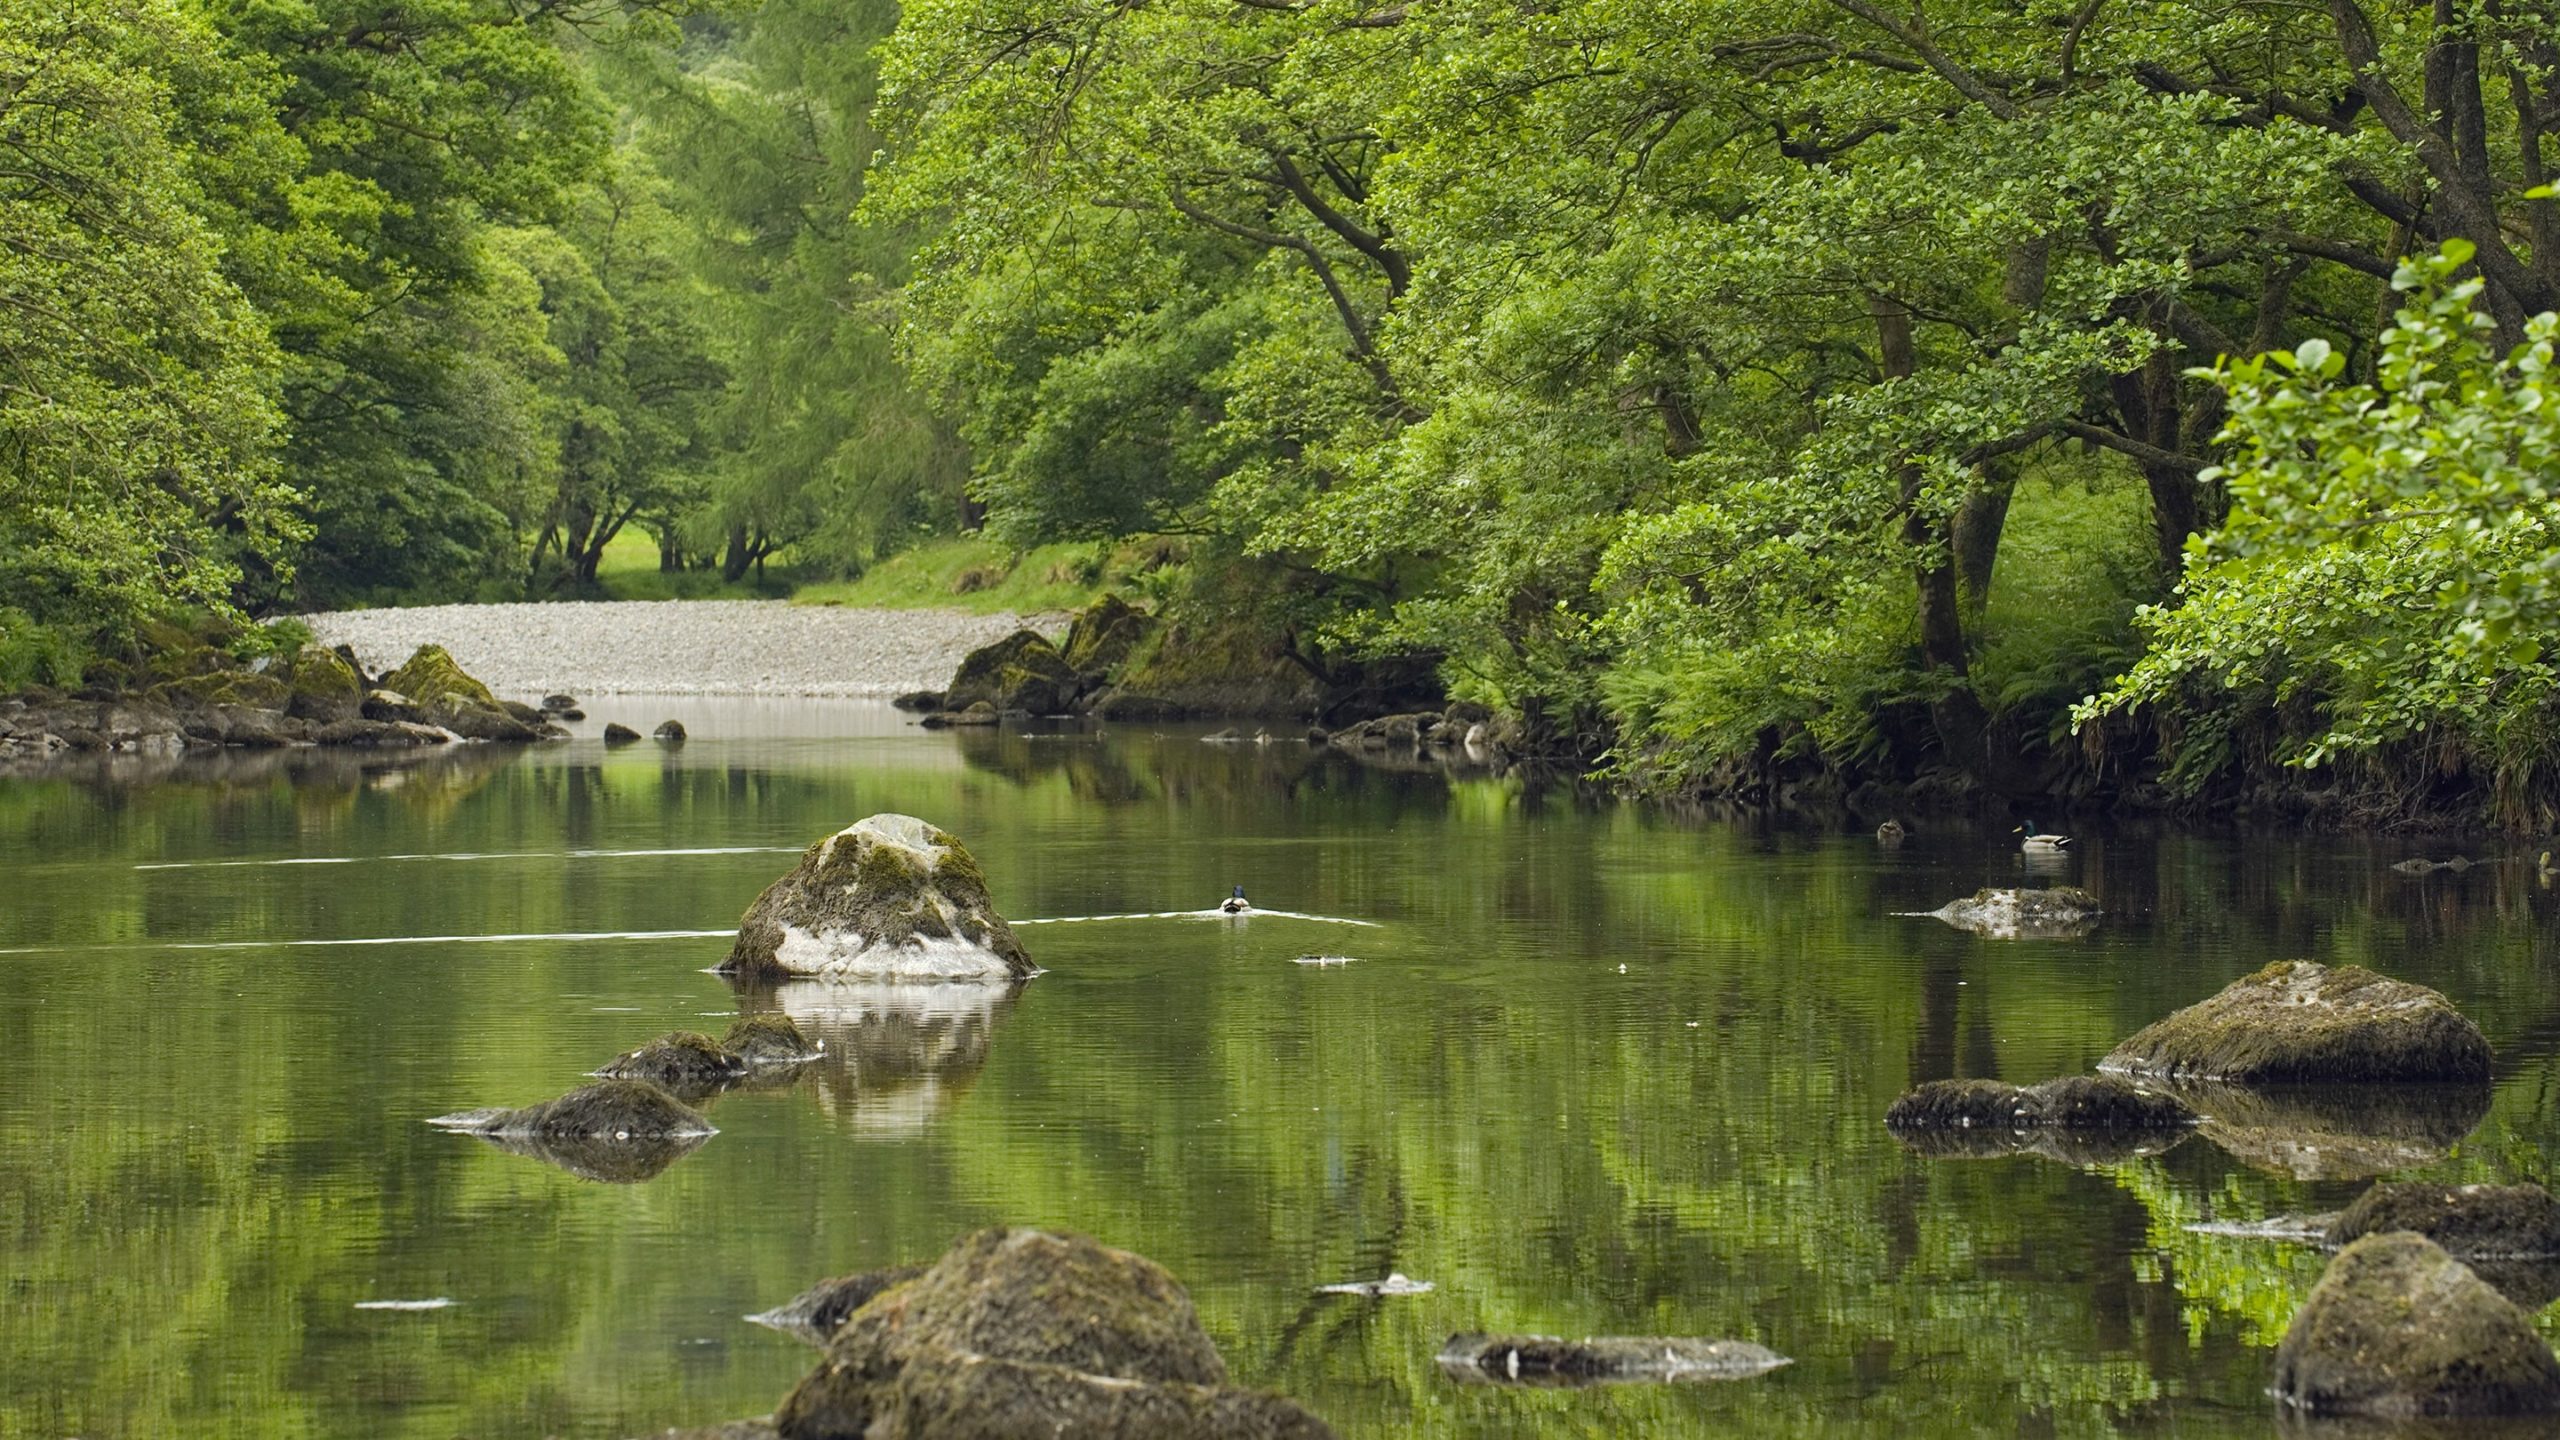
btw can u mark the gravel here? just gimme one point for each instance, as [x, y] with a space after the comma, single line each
[686, 647]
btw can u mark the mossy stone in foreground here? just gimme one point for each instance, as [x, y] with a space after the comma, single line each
[1031, 1332]
[889, 898]
[2471, 1221]
[2300, 1021]
[2397, 1327]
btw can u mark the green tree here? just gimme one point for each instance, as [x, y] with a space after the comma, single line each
[138, 413]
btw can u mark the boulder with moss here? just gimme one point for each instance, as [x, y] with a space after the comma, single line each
[2298, 1021]
[815, 1314]
[769, 1039]
[1022, 671]
[2398, 1328]
[2474, 1222]
[323, 687]
[446, 695]
[886, 898]
[1102, 635]
[1029, 1332]
[683, 1063]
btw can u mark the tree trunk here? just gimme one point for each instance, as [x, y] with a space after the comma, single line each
[1957, 714]
[734, 561]
[1976, 538]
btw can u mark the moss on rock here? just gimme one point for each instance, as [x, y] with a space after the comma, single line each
[430, 675]
[768, 1039]
[889, 897]
[1103, 634]
[324, 688]
[2300, 1021]
[1030, 1332]
[683, 1063]
[608, 1109]
[2469, 1221]
[815, 1314]
[1022, 671]
[2398, 1328]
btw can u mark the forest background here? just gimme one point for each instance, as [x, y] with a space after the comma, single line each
[2024, 397]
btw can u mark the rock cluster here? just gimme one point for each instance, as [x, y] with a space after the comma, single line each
[317, 697]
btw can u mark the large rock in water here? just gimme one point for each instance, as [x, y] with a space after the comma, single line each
[2299, 1021]
[887, 898]
[2023, 914]
[2398, 1328]
[1027, 1332]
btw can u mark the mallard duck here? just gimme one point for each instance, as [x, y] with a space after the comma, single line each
[2037, 841]
[1235, 904]
[1890, 832]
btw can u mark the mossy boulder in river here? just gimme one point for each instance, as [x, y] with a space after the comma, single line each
[769, 1039]
[2398, 1328]
[815, 1314]
[2504, 1222]
[1029, 1332]
[2300, 1021]
[887, 898]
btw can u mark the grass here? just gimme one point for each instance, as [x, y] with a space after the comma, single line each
[971, 572]
[629, 571]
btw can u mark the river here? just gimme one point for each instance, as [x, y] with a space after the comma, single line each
[1596, 1068]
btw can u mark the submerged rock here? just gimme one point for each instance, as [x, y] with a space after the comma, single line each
[815, 1314]
[2078, 1120]
[2506, 1222]
[2297, 1020]
[601, 1158]
[1548, 1361]
[1029, 1332]
[2022, 914]
[890, 897]
[919, 701]
[2398, 1328]
[684, 1063]
[606, 1110]
[2075, 1102]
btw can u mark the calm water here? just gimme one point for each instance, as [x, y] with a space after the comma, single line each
[1602, 1070]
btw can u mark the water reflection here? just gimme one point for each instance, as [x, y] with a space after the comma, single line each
[2337, 1132]
[894, 1057]
[601, 1157]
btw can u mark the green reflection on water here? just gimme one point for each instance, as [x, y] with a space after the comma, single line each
[209, 1156]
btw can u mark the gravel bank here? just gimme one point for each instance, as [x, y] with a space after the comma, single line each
[691, 647]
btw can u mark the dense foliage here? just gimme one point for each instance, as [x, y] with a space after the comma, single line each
[1724, 389]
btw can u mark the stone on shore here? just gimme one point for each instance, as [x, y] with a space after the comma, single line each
[887, 898]
[2023, 914]
[325, 688]
[445, 695]
[1027, 1332]
[2398, 1328]
[1102, 635]
[2472, 1222]
[2300, 1021]
[1546, 1360]
[1022, 671]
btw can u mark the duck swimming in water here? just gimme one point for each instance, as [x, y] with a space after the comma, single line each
[2037, 842]
[1235, 904]
[1890, 833]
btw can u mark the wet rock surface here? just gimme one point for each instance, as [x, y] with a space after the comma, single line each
[1029, 1332]
[815, 1314]
[889, 897]
[1546, 1360]
[683, 1064]
[606, 1110]
[2398, 1328]
[2077, 1120]
[2023, 914]
[2299, 1021]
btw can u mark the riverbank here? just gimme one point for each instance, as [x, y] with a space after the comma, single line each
[691, 647]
